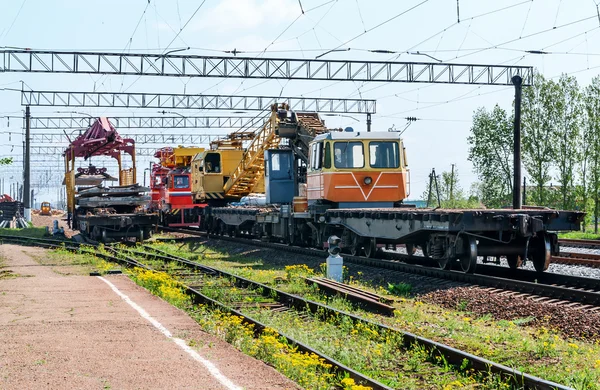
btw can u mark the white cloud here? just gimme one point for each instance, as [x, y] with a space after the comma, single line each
[247, 14]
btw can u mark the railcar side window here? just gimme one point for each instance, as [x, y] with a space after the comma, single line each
[327, 157]
[212, 163]
[349, 155]
[384, 154]
[316, 158]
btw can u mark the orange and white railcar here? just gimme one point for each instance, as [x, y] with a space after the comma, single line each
[357, 169]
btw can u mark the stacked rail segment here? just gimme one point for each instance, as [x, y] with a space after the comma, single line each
[100, 212]
[105, 213]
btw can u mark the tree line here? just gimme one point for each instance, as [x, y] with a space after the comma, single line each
[560, 127]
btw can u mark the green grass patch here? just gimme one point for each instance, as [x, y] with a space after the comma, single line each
[81, 262]
[580, 235]
[34, 232]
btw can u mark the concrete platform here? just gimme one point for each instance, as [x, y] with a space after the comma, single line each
[67, 331]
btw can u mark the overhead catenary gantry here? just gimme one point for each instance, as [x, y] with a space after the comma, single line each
[148, 122]
[58, 150]
[166, 138]
[48, 61]
[201, 102]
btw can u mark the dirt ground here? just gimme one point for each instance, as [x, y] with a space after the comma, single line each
[61, 331]
[48, 220]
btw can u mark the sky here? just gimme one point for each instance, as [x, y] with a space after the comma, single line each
[463, 31]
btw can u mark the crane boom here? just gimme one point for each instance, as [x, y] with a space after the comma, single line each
[249, 174]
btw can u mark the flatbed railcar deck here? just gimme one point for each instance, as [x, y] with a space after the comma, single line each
[407, 224]
[447, 236]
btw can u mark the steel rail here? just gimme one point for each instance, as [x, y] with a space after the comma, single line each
[570, 242]
[70, 245]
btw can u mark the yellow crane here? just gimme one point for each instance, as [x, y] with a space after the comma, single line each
[249, 176]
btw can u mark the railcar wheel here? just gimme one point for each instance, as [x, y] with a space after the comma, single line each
[468, 258]
[444, 263]
[411, 249]
[356, 245]
[370, 247]
[542, 254]
[514, 261]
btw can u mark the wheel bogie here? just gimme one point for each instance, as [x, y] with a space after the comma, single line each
[459, 251]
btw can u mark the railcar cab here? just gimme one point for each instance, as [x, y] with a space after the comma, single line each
[179, 192]
[357, 169]
[211, 169]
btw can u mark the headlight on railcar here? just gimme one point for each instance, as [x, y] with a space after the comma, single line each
[367, 180]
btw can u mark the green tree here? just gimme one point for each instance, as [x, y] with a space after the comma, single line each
[538, 114]
[591, 145]
[6, 160]
[491, 152]
[451, 193]
[568, 125]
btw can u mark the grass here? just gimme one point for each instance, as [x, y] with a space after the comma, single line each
[538, 351]
[580, 235]
[34, 232]
[66, 262]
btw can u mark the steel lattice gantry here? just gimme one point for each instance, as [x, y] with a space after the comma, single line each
[41, 61]
[202, 102]
[177, 139]
[59, 150]
[157, 122]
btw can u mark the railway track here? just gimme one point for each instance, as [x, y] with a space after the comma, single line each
[557, 289]
[280, 301]
[574, 243]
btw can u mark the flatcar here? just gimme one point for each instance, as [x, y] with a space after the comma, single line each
[356, 183]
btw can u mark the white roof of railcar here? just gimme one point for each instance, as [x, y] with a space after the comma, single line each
[358, 135]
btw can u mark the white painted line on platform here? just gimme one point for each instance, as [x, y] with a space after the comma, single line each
[212, 369]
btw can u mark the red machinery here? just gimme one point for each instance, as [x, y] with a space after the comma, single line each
[158, 178]
[5, 198]
[171, 182]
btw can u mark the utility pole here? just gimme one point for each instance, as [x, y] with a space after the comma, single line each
[524, 190]
[430, 189]
[437, 188]
[518, 83]
[452, 184]
[27, 173]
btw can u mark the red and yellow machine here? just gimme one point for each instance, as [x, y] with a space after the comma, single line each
[171, 183]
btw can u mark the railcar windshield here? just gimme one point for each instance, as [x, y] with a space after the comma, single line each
[212, 163]
[348, 155]
[384, 154]
[181, 181]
